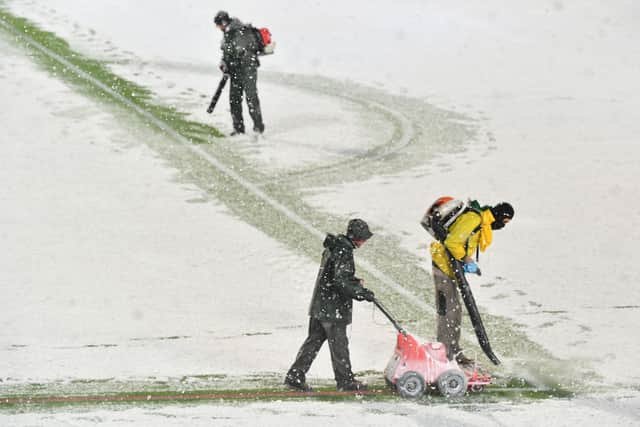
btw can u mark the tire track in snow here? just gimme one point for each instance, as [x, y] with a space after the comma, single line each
[404, 133]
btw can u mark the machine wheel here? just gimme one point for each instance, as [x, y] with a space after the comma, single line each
[477, 388]
[452, 383]
[411, 385]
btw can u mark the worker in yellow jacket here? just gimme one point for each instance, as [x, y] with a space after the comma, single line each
[471, 231]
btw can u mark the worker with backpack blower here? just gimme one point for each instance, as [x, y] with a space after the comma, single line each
[241, 46]
[461, 232]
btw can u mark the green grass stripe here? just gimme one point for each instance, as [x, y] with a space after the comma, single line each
[489, 395]
[263, 387]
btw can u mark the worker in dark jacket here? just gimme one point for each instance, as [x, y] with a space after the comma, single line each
[240, 48]
[331, 306]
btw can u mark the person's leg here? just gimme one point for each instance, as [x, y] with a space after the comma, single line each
[235, 101]
[449, 312]
[253, 102]
[296, 376]
[339, 348]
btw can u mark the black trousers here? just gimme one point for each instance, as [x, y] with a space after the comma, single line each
[319, 332]
[244, 80]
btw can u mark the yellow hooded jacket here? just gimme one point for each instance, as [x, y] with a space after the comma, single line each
[462, 241]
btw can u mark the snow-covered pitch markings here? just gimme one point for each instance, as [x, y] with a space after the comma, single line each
[407, 131]
[400, 121]
[249, 186]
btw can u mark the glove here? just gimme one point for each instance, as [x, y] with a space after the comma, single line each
[365, 295]
[223, 67]
[471, 267]
[369, 295]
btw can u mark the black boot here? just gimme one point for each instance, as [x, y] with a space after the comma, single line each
[353, 385]
[296, 381]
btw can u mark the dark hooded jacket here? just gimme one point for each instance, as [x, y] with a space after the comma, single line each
[336, 285]
[240, 46]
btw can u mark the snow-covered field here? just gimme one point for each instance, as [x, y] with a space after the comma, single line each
[116, 267]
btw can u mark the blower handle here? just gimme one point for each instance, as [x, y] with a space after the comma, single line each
[386, 313]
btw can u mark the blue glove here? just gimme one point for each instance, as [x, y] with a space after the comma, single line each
[471, 267]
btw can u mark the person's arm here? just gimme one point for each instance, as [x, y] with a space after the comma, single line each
[345, 280]
[227, 53]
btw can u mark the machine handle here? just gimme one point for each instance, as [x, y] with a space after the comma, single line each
[386, 313]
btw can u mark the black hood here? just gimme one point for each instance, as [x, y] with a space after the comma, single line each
[331, 242]
[500, 212]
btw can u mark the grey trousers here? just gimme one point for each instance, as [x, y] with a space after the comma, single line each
[245, 81]
[449, 311]
[319, 332]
